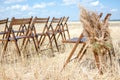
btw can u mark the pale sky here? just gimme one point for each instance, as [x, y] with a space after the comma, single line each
[56, 8]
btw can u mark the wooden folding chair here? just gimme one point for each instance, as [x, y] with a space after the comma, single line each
[81, 39]
[14, 27]
[64, 28]
[3, 28]
[53, 30]
[39, 28]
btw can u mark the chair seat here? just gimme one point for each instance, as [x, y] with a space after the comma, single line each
[37, 34]
[20, 37]
[51, 32]
[21, 31]
[74, 40]
[2, 32]
[40, 33]
[62, 30]
[17, 37]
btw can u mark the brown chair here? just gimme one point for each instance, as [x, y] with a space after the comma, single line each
[14, 27]
[39, 28]
[64, 28]
[83, 38]
[53, 30]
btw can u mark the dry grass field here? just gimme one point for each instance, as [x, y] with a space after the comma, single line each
[44, 66]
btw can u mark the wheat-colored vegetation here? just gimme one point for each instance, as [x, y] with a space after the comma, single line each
[45, 67]
[42, 65]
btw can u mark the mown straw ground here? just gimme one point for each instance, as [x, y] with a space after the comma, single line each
[43, 66]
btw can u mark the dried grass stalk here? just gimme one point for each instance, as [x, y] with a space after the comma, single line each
[97, 31]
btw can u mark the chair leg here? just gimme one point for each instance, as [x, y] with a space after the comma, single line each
[83, 51]
[110, 58]
[2, 56]
[5, 46]
[25, 43]
[3, 51]
[82, 55]
[72, 52]
[67, 29]
[25, 38]
[52, 37]
[41, 40]
[58, 36]
[56, 42]
[80, 50]
[36, 37]
[69, 57]
[68, 34]
[97, 62]
[64, 35]
[113, 51]
[50, 43]
[35, 44]
[61, 35]
[17, 47]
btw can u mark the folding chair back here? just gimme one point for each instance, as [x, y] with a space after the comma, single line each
[40, 25]
[3, 28]
[65, 27]
[39, 28]
[20, 26]
[55, 24]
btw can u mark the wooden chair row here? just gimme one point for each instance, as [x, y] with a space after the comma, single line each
[36, 29]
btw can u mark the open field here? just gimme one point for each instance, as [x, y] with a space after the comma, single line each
[43, 66]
